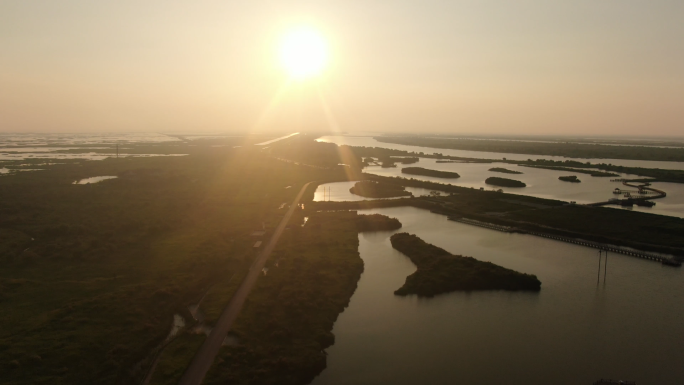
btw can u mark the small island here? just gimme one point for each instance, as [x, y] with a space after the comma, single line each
[504, 170]
[376, 222]
[569, 178]
[428, 172]
[405, 159]
[504, 182]
[570, 169]
[371, 189]
[441, 272]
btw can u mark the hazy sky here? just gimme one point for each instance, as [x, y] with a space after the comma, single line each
[514, 67]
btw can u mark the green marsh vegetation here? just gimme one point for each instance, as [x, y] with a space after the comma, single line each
[504, 182]
[569, 169]
[639, 230]
[504, 170]
[569, 178]
[663, 175]
[91, 275]
[391, 161]
[175, 358]
[428, 172]
[373, 189]
[570, 150]
[288, 318]
[376, 222]
[441, 272]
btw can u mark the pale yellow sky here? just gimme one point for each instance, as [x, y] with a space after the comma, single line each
[610, 67]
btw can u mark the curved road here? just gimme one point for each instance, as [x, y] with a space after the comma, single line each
[204, 358]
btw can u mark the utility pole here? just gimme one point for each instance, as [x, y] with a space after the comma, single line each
[605, 268]
[598, 278]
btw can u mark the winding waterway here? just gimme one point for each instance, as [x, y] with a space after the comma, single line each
[574, 331]
[541, 183]
[367, 141]
[339, 192]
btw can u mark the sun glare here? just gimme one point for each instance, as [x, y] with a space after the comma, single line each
[303, 53]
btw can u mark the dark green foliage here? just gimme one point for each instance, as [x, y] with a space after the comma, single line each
[175, 358]
[304, 150]
[441, 272]
[377, 222]
[569, 178]
[590, 172]
[91, 275]
[639, 230]
[428, 172]
[405, 160]
[504, 182]
[372, 189]
[288, 318]
[504, 170]
[674, 176]
[570, 150]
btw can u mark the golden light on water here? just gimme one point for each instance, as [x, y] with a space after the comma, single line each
[303, 53]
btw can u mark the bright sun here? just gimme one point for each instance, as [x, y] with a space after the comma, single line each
[303, 53]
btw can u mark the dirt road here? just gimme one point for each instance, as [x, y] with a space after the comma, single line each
[206, 354]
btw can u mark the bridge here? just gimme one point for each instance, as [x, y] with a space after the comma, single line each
[642, 187]
[581, 242]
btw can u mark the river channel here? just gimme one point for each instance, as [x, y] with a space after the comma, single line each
[578, 329]
[541, 183]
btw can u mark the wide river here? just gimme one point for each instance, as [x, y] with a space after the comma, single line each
[541, 183]
[575, 331]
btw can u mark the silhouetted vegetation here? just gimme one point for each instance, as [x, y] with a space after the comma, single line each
[405, 160]
[377, 222]
[441, 272]
[428, 172]
[504, 170]
[91, 275]
[569, 178]
[659, 233]
[288, 318]
[663, 175]
[590, 172]
[504, 182]
[570, 150]
[373, 189]
[175, 358]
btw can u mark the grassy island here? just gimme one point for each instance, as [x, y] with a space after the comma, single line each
[428, 172]
[569, 178]
[504, 170]
[504, 182]
[371, 189]
[377, 222]
[441, 272]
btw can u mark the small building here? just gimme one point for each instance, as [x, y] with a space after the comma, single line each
[258, 233]
[257, 245]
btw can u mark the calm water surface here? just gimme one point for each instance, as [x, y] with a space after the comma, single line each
[94, 179]
[541, 183]
[339, 191]
[368, 141]
[573, 332]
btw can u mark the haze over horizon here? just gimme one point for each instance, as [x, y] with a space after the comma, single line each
[486, 67]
